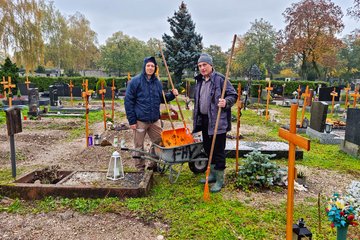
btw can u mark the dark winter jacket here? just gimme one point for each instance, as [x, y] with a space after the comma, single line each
[143, 97]
[217, 83]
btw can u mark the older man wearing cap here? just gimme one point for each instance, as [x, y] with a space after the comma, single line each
[142, 106]
[209, 85]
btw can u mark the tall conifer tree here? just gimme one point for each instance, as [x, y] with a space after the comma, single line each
[183, 48]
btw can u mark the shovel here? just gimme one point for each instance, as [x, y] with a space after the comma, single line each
[184, 134]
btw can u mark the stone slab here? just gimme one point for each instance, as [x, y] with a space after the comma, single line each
[324, 138]
[281, 149]
[350, 148]
[25, 188]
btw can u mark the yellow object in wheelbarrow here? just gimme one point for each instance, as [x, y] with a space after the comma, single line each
[176, 137]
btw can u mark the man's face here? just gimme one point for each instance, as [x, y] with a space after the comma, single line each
[150, 68]
[205, 69]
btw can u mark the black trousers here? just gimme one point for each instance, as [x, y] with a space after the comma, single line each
[218, 157]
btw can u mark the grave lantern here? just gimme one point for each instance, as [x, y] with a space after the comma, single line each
[115, 169]
[328, 127]
[300, 231]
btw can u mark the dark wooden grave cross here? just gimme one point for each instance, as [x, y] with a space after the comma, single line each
[113, 99]
[102, 91]
[306, 94]
[4, 83]
[333, 94]
[27, 83]
[86, 95]
[268, 89]
[10, 86]
[347, 89]
[71, 85]
[294, 141]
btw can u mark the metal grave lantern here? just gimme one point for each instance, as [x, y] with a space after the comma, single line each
[300, 231]
[115, 169]
[328, 127]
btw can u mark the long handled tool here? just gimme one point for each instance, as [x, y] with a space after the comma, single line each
[206, 188]
[173, 139]
[184, 134]
[239, 106]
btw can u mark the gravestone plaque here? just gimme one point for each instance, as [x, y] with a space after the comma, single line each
[318, 116]
[324, 94]
[33, 102]
[352, 132]
[23, 88]
[76, 91]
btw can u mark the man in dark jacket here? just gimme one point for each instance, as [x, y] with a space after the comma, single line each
[142, 105]
[209, 85]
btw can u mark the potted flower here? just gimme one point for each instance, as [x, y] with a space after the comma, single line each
[341, 213]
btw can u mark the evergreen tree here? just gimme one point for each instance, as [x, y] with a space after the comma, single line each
[183, 49]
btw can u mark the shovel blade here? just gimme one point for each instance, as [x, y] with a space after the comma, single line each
[176, 137]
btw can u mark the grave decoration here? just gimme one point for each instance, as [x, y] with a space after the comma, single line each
[4, 83]
[294, 140]
[9, 86]
[115, 169]
[333, 95]
[113, 99]
[300, 231]
[268, 89]
[306, 94]
[102, 91]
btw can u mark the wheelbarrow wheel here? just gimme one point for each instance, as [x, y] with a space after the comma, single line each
[198, 166]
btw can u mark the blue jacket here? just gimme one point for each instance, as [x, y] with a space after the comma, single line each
[143, 97]
[217, 83]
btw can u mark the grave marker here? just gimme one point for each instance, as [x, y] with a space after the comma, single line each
[306, 94]
[355, 95]
[333, 94]
[71, 85]
[347, 89]
[318, 116]
[102, 91]
[9, 86]
[4, 83]
[27, 82]
[33, 102]
[294, 141]
[113, 99]
[351, 143]
[259, 93]
[298, 91]
[239, 106]
[86, 95]
[268, 89]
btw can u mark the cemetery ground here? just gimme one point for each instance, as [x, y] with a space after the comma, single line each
[175, 211]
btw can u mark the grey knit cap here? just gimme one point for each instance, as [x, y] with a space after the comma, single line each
[204, 57]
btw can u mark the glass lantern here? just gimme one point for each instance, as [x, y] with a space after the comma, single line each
[300, 231]
[115, 169]
[328, 127]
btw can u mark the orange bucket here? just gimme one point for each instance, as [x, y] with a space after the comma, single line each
[176, 137]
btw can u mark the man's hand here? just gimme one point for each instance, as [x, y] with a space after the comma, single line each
[222, 102]
[133, 126]
[175, 92]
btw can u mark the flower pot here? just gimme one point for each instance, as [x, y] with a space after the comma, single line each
[341, 233]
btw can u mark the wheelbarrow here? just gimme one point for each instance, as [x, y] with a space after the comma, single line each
[167, 157]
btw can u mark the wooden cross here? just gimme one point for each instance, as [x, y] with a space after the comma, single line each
[347, 89]
[84, 85]
[239, 106]
[113, 99]
[299, 91]
[9, 86]
[355, 95]
[306, 94]
[259, 93]
[86, 95]
[27, 83]
[4, 83]
[268, 89]
[294, 140]
[71, 85]
[333, 94]
[102, 91]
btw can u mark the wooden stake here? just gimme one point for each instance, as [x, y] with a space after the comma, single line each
[306, 94]
[206, 188]
[294, 140]
[268, 89]
[86, 95]
[113, 100]
[239, 106]
[102, 91]
[333, 94]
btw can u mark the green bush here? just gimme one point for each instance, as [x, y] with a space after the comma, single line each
[258, 171]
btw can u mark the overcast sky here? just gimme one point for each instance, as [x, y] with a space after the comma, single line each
[216, 20]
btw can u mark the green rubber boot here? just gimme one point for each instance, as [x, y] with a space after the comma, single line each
[212, 175]
[219, 181]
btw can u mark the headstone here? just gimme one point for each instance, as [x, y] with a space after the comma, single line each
[23, 88]
[318, 116]
[33, 102]
[53, 95]
[76, 91]
[66, 90]
[352, 132]
[324, 94]
[60, 89]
